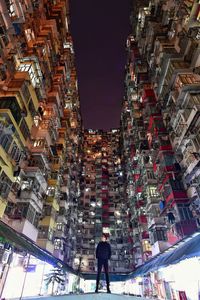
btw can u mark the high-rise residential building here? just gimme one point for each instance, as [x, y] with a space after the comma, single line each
[102, 206]
[160, 124]
[62, 186]
[40, 124]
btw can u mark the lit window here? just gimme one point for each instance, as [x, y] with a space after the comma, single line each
[29, 34]
[33, 68]
[11, 8]
[146, 246]
[59, 226]
[58, 245]
[51, 191]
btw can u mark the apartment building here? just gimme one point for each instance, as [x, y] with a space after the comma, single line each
[102, 208]
[160, 125]
[40, 124]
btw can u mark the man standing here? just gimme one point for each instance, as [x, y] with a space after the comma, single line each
[103, 254]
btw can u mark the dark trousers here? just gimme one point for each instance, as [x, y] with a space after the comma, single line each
[102, 263]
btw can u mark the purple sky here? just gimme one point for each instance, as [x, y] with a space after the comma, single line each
[99, 29]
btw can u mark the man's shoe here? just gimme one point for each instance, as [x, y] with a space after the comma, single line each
[109, 291]
[96, 291]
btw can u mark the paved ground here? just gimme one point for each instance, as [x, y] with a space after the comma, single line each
[92, 296]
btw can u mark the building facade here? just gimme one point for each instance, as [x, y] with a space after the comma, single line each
[160, 124]
[63, 187]
[40, 124]
[102, 208]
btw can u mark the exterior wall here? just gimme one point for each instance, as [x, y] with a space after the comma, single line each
[41, 133]
[101, 207]
[159, 114]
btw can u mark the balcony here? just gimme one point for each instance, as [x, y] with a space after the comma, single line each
[23, 217]
[192, 163]
[142, 219]
[139, 204]
[62, 136]
[149, 96]
[39, 146]
[152, 203]
[149, 180]
[32, 197]
[37, 172]
[184, 82]
[44, 131]
[61, 233]
[156, 221]
[186, 120]
[13, 115]
[184, 228]
[173, 196]
[156, 125]
[55, 163]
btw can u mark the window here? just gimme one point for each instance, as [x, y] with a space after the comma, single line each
[15, 152]
[51, 191]
[31, 108]
[47, 210]
[36, 219]
[5, 185]
[24, 129]
[58, 245]
[54, 175]
[159, 235]
[50, 234]
[176, 184]
[179, 125]
[3, 35]
[12, 104]
[150, 175]
[59, 226]
[31, 69]
[196, 141]
[29, 34]
[186, 113]
[167, 161]
[152, 192]
[62, 212]
[31, 214]
[5, 141]
[11, 8]
[184, 211]
[43, 232]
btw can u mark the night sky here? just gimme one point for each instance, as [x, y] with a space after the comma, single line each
[99, 30]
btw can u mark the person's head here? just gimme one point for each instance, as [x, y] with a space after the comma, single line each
[104, 237]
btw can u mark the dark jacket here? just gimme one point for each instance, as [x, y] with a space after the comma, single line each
[103, 250]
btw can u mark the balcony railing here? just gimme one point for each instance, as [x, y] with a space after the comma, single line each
[30, 195]
[156, 221]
